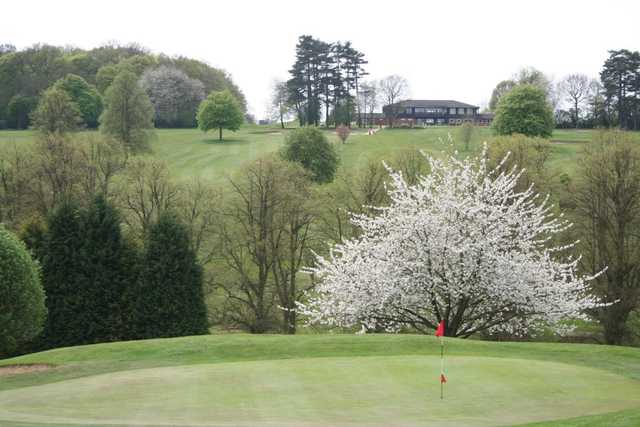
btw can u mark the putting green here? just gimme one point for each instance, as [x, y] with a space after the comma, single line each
[371, 391]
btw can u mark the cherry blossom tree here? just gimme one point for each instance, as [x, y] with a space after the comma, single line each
[461, 245]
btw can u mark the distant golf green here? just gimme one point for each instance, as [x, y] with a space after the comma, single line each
[323, 380]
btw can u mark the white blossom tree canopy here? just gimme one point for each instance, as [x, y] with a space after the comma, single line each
[174, 95]
[462, 246]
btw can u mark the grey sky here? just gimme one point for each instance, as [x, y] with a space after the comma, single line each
[446, 49]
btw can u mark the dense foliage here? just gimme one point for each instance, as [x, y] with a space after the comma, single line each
[174, 95]
[620, 78]
[28, 72]
[168, 299]
[62, 280]
[128, 116]
[311, 148]
[220, 111]
[22, 308]
[56, 112]
[524, 110]
[325, 81]
[85, 96]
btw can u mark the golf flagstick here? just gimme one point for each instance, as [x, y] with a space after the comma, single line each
[443, 379]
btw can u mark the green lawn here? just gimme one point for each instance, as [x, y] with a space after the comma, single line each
[318, 380]
[190, 152]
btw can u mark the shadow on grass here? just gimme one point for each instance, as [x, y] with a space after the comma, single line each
[225, 141]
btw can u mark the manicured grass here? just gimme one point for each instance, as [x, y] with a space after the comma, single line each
[314, 380]
[189, 152]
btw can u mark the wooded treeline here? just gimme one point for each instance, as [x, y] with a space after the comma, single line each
[325, 82]
[175, 85]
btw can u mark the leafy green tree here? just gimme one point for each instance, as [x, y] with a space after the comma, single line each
[56, 112]
[128, 116]
[19, 110]
[85, 96]
[22, 308]
[105, 76]
[61, 278]
[311, 148]
[524, 110]
[220, 111]
[168, 299]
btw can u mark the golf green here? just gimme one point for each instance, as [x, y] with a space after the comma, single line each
[335, 391]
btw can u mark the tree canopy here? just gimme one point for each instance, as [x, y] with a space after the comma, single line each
[463, 246]
[524, 110]
[129, 113]
[174, 95]
[29, 72]
[85, 96]
[311, 148]
[22, 308]
[220, 111]
[56, 112]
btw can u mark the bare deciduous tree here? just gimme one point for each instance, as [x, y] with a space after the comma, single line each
[575, 87]
[264, 235]
[392, 89]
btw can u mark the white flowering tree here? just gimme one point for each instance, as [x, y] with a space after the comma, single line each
[461, 245]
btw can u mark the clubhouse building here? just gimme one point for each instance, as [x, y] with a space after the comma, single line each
[420, 112]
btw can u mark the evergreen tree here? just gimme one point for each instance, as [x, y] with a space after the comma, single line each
[620, 77]
[61, 279]
[106, 264]
[168, 299]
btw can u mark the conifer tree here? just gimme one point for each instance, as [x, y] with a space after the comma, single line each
[106, 265]
[61, 277]
[169, 299]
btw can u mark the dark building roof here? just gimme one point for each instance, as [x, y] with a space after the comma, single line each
[430, 103]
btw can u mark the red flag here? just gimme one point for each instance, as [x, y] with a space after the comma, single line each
[443, 379]
[440, 330]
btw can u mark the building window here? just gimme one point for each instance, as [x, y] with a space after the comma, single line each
[420, 110]
[461, 111]
[452, 111]
[408, 110]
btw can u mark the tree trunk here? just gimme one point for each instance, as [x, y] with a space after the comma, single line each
[220, 138]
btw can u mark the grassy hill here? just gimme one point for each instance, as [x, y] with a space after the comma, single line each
[189, 152]
[318, 380]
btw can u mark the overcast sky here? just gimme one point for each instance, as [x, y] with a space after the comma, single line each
[446, 49]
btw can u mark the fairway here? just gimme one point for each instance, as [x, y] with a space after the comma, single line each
[191, 153]
[322, 380]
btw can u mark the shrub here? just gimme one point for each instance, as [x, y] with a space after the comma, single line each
[22, 307]
[311, 148]
[343, 133]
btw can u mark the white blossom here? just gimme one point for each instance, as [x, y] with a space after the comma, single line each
[461, 245]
